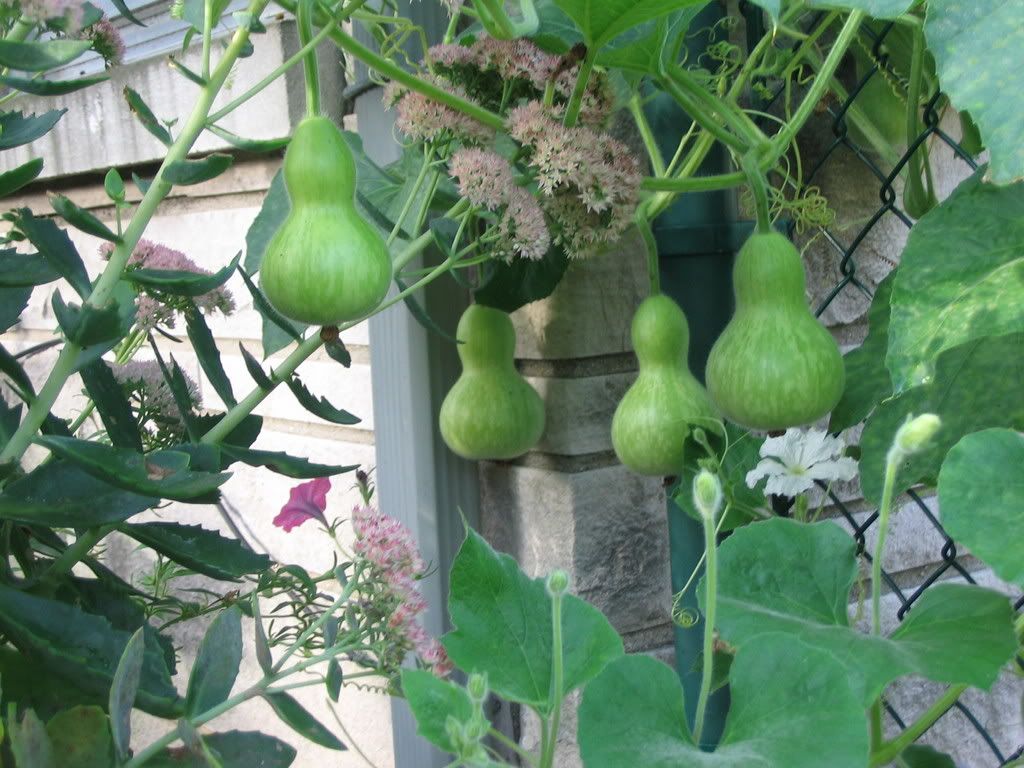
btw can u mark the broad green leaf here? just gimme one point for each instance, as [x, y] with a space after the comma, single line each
[781, 691]
[318, 406]
[30, 744]
[278, 332]
[82, 219]
[602, 20]
[145, 116]
[18, 270]
[298, 719]
[217, 663]
[879, 9]
[12, 303]
[234, 749]
[782, 576]
[249, 145]
[271, 216]
[187, 172]
[16, 128]
[41, 87]
[83, 648]
[975, 386]
[977, 48]
[56, 247]
[503, 627]
[203, 551]
[41, 55]
[180, 283]
[123, 690]
[60, 494]
[961, 277]
[205, 347]
[652, 45]
[867, 379]
[981, 496]
[37, 687]
[112, 405]
[89, 326]
[433, 701]
[81, 736]
[285, 464]
[923, 756]
[510, 286]
[164, 473]
[11, 368]
[16, 178]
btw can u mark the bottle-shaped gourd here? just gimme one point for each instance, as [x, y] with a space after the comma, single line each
[325, 265]
[774, 366]
[491, 412]
[652, 424]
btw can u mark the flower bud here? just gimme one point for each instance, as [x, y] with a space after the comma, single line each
[916, 433]
[476, 687]
[558, 583]
[707, 494]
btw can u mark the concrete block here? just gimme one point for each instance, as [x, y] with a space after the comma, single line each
[579, 412]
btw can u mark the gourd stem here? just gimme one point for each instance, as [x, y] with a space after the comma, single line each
[700, 114]
[548, 757]
[915, 183]
[759, 187]
[310, 68]
[695, 183]
[891, 750]
[572, 111]
[710, 600]
[732, 116]
[651, 245]
[644, 127]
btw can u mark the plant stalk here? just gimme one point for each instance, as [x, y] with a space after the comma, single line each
[892, 749]
[710, 607]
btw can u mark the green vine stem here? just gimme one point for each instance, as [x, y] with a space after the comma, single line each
[208, 23]
[651, 245]
[695, 183]
[647, 135]
[892, 749]
[707, 497]
[310, 68]
[572, 111]
[918, 160]
[759, 187]
[496, 13]
[693, 107]
[717, 108]
[557, 584]
[67, 361]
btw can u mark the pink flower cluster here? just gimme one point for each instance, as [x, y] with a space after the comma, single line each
[388, 547]
[422, 119]
[151, 310]
[591, 182]
[146, 379]
[486, 179]
[106, 41]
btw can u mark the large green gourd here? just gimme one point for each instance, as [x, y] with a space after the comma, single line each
[652, 424]
[491, 412]
[774, 366]
[325, 265]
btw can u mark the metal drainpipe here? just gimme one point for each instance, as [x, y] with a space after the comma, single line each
[697, 238]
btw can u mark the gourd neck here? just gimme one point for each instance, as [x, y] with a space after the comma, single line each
[768, 272]
[318, 165]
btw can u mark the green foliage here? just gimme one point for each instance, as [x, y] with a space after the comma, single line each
[40, 55]
[56, 247]
[319, 406]
[123, 690]
[923, 756]
[971, 292]
[19, 270]
[188, 172]
[298, 718]
[285, 464]
[781, 690]
[30, 745]
[233, 749]
[178, 283]
[503, 627]
[43, 87]
[17, 129]
[82, 219]
[16, 178]
[81, 736]
[145, 116]
[208, 355]
[217, 663]
[509, 286]
[112, 405]
[203, 551]
[981, 501]
[433, 701]
[600, 22]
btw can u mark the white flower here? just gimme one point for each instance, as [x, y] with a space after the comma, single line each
[795, 460]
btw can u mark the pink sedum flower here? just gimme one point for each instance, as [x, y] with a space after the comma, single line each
[106, 41]
[306, 501]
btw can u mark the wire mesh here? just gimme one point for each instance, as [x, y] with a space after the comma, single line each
[950, 562]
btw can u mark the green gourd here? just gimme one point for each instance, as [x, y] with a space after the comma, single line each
[325, 265]
[491, 412]
[774, 366]
[652, 423]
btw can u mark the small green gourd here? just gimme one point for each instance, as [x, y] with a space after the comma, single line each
[325, 265]
[774, 366]
[652, 423]
[491, 412]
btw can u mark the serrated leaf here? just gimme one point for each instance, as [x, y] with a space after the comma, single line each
[16, 178]
[41, 55]
[217, 663]
[89, 326]
[17, 129]
[318, 406]
[125, 11]
[83, 648]
[503, 627]
[21, 270]
[284, 464]
[255, 370]
[187, 172]
[181, 283]
[56, 247]
[781, 690]
[12, 303]
[975, 386]
[62, 495]
[974, 290]
[602, 21]
[40, 87]
[30, 744]
[81, 736]
[981, 496]
[795, 579]
[298, 719]
[203, 551]
[249, 145]
[208, 355]
[164, 474]
[233, 749]
[509, 286]
[978, 70]
[271, 216]
[269, 314]
[337, 351]
[244, 434]
[263, 655]
[112, 405]
[145, 116]
[433, 701]
[123, 689]
[82, 219]
[13, 370]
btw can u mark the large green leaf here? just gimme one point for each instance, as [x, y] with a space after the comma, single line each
[83, 648]
[433, 701]
[602, 20]
[509, 286]
[961, 277]
[981, 496]
[503, 627]
[56, 247]
[782, 576]
[880, 9]
[301, 721]
[38, 86]
[217, 663]
[977, 48]
[976, 386]
[41, 55]
[205, 347]
[61, 494]
[81, 736]
[115, 411]
[18, 270]
[16, 128]
[204, 551]
[651, 44]
[234, 749]
[782, 690]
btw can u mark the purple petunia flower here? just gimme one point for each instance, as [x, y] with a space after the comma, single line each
[307, 501]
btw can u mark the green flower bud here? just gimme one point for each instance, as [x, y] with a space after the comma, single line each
[476, 687]
[707, 494]
[558, 583]
[916, 433]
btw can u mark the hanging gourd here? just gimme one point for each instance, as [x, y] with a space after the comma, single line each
[325, 265]
[652, 423]
[774, 366]
[491, 412]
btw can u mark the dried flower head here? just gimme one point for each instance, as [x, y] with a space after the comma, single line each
[106, 41]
